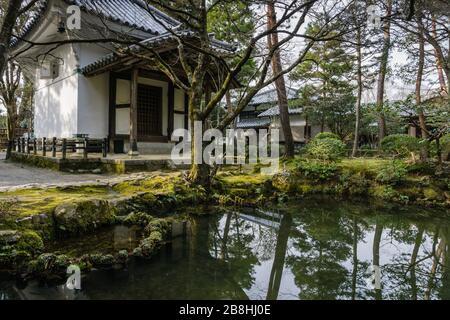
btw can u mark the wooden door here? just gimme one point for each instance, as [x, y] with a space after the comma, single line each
[149, 109]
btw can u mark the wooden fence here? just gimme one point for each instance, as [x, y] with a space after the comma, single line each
[4, 137]
[50, 147]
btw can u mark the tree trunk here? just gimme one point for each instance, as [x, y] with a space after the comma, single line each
[10, 128]
[6, 29]
[442, 84]
[422, 121]
[382, 74]
[200, 171]
[280, 84]
[359, 94]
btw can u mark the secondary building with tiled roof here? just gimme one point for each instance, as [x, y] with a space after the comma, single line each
[263, 112]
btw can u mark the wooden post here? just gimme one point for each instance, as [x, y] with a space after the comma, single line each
[64, 149]
[35, 146]
[105, 147]
[186, 111]
[28, 145]
[171, 111]
[112, 109]
[44, 147]
[133, 113]
[54, 147]
[85, 150]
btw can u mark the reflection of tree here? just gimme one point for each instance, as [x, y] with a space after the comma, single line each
[376, 255]
[414, 255]
[434, 266]
[237, 241]
[444, 290]
[355, 258]
[324, 243]
[415, 271]
[280, 255]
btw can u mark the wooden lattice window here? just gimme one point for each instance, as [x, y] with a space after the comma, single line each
[149, 111]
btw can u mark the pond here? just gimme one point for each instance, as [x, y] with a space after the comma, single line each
[313, 249]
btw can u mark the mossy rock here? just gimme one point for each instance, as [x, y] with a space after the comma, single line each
[18, 247]
[149, 245]
[284, 182]
[50, 263]
[30, 242]
[138, 218]
[82, 216]
[102, 260]
[158, 225]
[9, 237]
[433, 194]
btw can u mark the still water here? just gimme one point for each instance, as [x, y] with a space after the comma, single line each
[315, 249]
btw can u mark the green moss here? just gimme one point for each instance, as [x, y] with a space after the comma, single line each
[102, 260]
[138, 218]
[149, 245]
[82, 216]
[365, 167]
[30, 242]
[433, 194]
[157, 225]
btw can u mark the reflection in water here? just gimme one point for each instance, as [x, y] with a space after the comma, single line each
[311, 250]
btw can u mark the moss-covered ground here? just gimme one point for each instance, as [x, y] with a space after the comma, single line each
[32, 218]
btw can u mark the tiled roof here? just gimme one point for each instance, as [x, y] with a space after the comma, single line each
[155, 42]
[270, 96]
[132, 13]
[275, 111]
[253, 123]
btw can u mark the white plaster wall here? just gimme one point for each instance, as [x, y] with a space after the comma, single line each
[295, 120]
[179, 100]
[93, 105]
[93, 94]
[179, 96]
[123, 96]
[178, 121]
[56, 99]
[123, 121]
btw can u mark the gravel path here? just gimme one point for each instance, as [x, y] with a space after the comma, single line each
[15, 176]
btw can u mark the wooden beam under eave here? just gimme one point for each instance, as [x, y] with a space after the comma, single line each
[134, 113]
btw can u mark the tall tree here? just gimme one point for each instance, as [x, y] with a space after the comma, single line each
[196, 16]
[326, 84]
[234, 22]
[280, 83]
[13, 16]
[356, 11]
[384, 59]
[434, 15]
[443, 86]
[418, 93]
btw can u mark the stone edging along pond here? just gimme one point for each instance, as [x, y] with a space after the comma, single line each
[31, 218]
